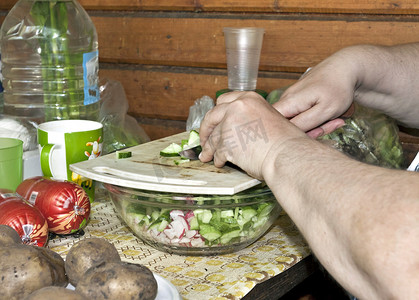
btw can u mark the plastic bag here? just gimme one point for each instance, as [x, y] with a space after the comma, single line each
[120, 130]
[21, 129]
[368, 136]
[197, 112]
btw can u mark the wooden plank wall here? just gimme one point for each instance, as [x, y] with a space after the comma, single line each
[168, 53]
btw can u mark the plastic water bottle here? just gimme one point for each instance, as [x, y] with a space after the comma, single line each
[1, 90]
[50, 65]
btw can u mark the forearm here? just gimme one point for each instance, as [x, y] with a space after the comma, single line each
[354, 216]
[387, 79]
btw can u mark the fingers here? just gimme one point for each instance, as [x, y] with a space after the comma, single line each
[229, 97]
[208, 126]
[210, 138]
[326, 128]
[311, 118]
[237, 95]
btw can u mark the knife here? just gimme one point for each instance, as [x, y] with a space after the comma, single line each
[191, 153]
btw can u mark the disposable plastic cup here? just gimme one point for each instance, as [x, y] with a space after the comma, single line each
[243, 47]
[11, 163]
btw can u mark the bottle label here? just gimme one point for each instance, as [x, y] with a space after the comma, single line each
[90, 76]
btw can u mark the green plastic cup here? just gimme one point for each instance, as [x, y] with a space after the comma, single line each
[11, 163]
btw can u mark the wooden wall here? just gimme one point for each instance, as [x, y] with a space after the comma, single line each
[169, 53]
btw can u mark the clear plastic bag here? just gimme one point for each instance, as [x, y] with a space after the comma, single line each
[120, 129]
[19, 128]
[197, 112]
[368, 136]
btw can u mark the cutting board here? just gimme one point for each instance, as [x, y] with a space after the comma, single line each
[147, 170]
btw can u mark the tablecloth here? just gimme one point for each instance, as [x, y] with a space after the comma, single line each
[229, 276]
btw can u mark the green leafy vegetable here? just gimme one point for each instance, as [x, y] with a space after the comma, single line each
[61, 91]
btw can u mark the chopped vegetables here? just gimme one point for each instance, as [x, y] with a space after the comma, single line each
[200, 227]
[123, 154]
[174, 149]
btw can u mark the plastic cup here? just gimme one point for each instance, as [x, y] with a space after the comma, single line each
[243, 47]
[11, 162]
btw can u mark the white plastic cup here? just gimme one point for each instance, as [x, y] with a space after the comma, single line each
[243, 47]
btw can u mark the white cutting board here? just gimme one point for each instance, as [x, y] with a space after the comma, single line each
[147, 170]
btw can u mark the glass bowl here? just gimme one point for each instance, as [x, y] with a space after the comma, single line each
[196, 224]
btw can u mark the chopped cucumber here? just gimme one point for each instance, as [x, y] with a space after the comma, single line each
[172, 150]
[215, 226]
[193, 140]
[123, 154]
[181, 161]
[194, 224]
[225, 238]
[227, 213]
[209, 232]
[248, 213]
[203, 215]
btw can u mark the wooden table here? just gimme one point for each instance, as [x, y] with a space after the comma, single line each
[281, 284]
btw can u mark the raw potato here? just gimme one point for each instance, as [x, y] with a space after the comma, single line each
[122, 281]
[9, 236]
[25, 269]
[86, 254]
[55, 292]
[58, 265]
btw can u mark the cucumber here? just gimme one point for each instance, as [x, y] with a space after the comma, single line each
[172, 150]
[248, 213]
[193, 139]
[203, 215]
[194, 224]
[123, 154]
[181, 161]
[227, 237]
[209, 233]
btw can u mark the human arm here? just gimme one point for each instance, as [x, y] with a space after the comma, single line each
[361, 221]
[384, 78]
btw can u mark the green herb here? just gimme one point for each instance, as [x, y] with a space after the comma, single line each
[61, 92]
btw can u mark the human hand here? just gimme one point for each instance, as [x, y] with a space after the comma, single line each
[242, 129]
[321, 97]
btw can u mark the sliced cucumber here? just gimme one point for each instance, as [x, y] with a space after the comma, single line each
[123, 154]
[172, 150]
[193, 140]
[194, 224]
[209, 233]
[226, 237]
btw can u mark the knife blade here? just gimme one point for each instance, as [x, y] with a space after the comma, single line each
[191, 153]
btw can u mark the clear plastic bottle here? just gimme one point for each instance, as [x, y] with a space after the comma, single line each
[49, 56]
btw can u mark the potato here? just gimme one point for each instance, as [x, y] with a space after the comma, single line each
[55, 292]
[86, 254]
[57, 264]
[9, 236]
[25, 269]
[118, 280]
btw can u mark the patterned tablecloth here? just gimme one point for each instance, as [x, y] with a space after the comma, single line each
[229, 276]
